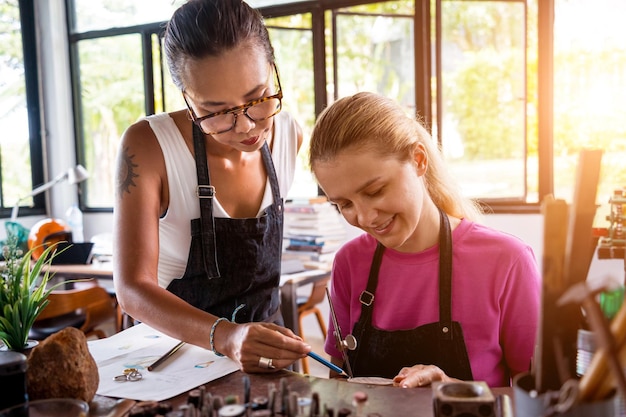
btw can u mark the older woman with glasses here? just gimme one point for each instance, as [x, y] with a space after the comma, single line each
[198, 212]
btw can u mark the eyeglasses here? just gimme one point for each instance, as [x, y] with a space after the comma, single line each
[256, 110]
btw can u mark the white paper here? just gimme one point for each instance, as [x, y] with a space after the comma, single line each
[138, 347]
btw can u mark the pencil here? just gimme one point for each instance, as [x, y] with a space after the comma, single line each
[166, 356]
[325, 362]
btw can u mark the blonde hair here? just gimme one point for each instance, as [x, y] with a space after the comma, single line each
[369, 121]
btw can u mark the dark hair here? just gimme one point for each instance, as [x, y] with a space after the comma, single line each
[202, 28]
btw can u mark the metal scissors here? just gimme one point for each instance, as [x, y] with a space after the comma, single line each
[342, 344]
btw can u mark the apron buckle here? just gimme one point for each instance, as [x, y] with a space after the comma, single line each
[205, 191]
[366, 298]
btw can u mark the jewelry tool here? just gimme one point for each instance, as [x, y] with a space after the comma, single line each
[342, 344]
[325, 362]
[166, 356]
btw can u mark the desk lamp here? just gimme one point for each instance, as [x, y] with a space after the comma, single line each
[73, 176]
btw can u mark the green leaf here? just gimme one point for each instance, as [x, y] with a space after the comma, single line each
[24, 292]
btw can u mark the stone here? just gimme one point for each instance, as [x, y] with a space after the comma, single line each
[62, 367]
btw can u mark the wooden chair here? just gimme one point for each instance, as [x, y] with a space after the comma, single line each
[309, 305]
[85, 308]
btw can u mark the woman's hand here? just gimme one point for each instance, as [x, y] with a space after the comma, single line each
[420, 376]
[247, 343]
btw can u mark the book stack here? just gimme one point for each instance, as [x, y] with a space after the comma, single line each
[313, 230]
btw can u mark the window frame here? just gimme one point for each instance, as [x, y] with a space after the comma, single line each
[423, 62]
[145, 31]
[496, 205]
[33, 107]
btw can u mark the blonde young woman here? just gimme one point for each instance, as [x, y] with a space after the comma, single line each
[429, 294]
[198, 210]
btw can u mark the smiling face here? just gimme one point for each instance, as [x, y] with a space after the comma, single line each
[384, 196]
[236, 77]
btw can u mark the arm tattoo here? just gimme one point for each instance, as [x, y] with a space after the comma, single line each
[127, 173]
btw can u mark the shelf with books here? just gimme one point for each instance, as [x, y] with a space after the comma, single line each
[313, 231]
[310, 258]
[319, 220]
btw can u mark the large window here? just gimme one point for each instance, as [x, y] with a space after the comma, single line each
[20, 140]
[482, 97]
[469, 69]
[120, 78]
[373, 50]
[589, 91]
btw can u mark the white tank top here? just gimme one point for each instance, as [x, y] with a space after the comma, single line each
[175, 227]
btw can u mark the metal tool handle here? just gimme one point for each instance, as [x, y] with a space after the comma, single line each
[342, 344]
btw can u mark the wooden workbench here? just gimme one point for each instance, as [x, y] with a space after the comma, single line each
[337, 394]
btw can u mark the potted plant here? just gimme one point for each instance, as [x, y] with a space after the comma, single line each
[23, 292]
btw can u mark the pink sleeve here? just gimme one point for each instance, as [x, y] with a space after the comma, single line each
[520, 313]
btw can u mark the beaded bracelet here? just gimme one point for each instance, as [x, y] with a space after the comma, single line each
[212, 334]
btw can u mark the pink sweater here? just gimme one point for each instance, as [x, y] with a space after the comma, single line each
[495, 295]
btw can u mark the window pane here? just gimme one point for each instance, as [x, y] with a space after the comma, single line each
[293, 45]
[483, 97]
[106, 14]
[589, 91]
[112, 98]
[167, 97]
[14, 141]
[375, 53]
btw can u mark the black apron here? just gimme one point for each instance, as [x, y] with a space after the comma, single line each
[383, 353]
[233, 262]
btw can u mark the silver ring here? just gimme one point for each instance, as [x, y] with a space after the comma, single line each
[265, 363]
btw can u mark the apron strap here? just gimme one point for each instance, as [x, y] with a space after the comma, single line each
[271, 174]
[205, 193]
[445, 276]
[367, 297]
[445, 285]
